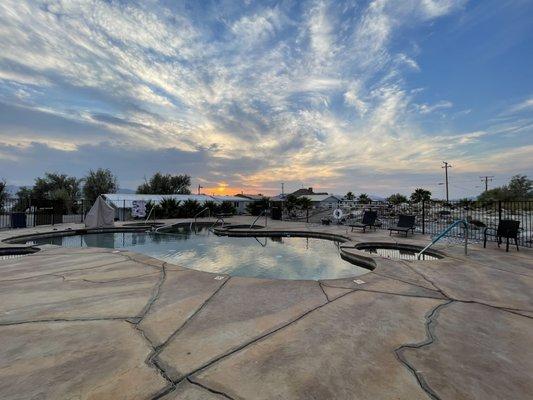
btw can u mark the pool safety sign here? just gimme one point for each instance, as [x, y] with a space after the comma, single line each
[138, 209]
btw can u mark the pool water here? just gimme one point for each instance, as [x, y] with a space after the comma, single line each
[397, 254]
[266, 257]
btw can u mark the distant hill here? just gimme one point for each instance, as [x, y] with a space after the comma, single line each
[375, 197]
[126, 191]
[12, 190]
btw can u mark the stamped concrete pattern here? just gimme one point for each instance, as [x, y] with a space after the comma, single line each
[241, 311]
[113, 324]
[181, 295]
[494, 362]
[189, 391]
[75, 360]
[334, 353]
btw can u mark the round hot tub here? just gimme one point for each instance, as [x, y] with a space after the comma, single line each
[398, 251]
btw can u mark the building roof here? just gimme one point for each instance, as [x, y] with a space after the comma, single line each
[230, 198]
[122, 200]
[305, 192]
[321, 197]
[251, 196]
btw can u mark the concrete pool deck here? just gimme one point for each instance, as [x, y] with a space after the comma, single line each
[105, 324]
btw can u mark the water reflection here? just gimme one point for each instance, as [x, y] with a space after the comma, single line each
[266, 257]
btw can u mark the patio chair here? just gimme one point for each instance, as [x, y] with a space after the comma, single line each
[507, 228]
[369, 219]
[405, 224]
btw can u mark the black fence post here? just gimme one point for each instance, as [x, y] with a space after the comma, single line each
[423, 217]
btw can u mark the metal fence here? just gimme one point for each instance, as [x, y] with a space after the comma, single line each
[432, 217]
[26, 212]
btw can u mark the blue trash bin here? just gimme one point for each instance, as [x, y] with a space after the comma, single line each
[18, 220]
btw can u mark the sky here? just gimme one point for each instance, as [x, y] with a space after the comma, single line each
[361, 96]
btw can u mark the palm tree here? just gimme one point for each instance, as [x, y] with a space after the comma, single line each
[420, 195]
[397, 198]
[3, 194]
[364, 198]
[350, 196]
[305, 204]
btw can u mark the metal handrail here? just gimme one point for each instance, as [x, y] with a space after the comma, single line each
[150, 213]
[218, 219]
[443, 233]
[259, 216]
[197, 214]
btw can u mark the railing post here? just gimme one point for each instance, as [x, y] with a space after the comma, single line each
[423, 217]
[124, 210]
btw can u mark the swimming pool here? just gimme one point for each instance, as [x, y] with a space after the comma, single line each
[265, 257]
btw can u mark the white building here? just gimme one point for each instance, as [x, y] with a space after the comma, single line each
[123, 203]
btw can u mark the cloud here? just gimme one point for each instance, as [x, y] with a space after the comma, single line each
[429, 108]
[247, 93]
[526, 105]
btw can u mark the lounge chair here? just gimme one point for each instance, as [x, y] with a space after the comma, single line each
[369, 219]
[405, 224]
[507, 228]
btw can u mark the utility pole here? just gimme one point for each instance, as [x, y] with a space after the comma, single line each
[282, 189]
[199, 187]
[486, 179]
[446, 166]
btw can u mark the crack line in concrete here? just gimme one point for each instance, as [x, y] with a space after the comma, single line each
[155, 293]
[323, 291]
[209, 389]
[117, 279]
[398, 294]
[410, 267]
[406, 282]
[57, 273]
[42, 321]
[430, 338]
[156, 350]
[258, 338]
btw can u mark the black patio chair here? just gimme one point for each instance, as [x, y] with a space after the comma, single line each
[507, 228]
[369, 219]
[405, 224]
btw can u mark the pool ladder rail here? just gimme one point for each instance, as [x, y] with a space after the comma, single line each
[198, 214]
[216, 222]
[264, 212]
[443, 233]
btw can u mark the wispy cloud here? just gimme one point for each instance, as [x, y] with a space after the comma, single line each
[311, 89]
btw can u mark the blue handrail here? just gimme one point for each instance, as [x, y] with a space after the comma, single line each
[443, 233]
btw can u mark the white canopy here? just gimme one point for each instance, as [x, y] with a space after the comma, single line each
[101, 215]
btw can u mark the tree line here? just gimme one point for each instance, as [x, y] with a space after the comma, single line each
[65, 191]
[519, 188]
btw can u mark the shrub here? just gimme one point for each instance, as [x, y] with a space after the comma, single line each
[169, 208]
[226, 207]
[189, 208]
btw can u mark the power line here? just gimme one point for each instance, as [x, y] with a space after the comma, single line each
[486, 178]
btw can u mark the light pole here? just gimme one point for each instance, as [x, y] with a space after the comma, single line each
[446, 166]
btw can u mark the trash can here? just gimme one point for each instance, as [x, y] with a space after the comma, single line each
[18, 220]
